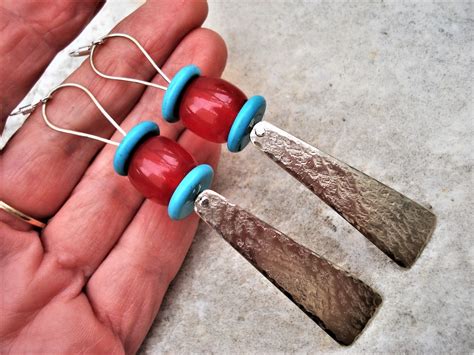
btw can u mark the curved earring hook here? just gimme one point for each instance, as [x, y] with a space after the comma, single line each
[89, 50]
[77, 133]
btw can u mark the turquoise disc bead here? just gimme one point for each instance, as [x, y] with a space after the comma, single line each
[136, 135]
[197, 180]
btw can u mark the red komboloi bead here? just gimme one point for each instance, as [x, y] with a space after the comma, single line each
[157, 167]
[209, 106]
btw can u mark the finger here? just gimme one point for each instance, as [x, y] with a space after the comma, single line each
[103, 203]
[32, 33]
[41, 165]
[127, 289]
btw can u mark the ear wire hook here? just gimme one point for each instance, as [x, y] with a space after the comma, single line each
[28, 109]
[89, 50]
[77, 133]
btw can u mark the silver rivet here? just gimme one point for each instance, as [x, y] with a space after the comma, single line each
[259, 131]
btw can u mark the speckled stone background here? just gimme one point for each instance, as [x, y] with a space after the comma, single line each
[384, 86]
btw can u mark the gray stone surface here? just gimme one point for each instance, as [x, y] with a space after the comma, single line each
[385, 87]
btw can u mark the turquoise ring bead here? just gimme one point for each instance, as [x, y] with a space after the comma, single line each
[170, 107]
[128, 144]
[249, 115]
[197, 180]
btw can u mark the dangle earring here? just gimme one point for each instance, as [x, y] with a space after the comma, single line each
[212, 108]
[218, 111]
[158, 167]
[166, 173]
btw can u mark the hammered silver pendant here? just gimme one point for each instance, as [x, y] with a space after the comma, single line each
[397, 225]
[338, 302]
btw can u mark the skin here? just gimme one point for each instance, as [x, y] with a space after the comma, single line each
[93, 280]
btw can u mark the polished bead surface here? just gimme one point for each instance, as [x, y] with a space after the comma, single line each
[157, 167]
[209, 106]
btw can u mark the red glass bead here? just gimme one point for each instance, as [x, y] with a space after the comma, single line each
[209, 106]
[157, 167]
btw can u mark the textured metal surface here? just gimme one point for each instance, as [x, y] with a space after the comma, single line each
[397, 225]
[336, 301]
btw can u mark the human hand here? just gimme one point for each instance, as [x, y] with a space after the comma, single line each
[93, 279]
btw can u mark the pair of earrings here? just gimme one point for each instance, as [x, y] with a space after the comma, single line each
[158, 167]
[218, 111]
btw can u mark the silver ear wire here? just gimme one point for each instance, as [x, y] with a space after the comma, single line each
[77, 133]
[28, 109]
[89, 50]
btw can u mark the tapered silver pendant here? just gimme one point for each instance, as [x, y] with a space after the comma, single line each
[397, 225]
[339, 303]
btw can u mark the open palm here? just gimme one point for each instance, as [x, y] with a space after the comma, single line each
[94, 278]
